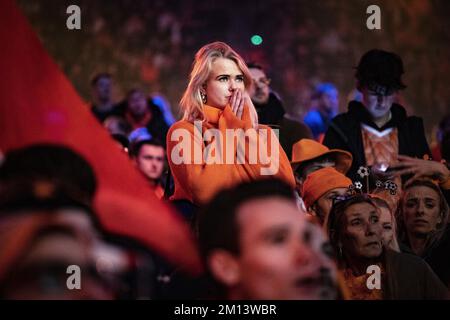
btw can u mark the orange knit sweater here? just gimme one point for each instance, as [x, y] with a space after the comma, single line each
[199, 182]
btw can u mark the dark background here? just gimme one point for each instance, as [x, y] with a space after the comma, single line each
[151, 43]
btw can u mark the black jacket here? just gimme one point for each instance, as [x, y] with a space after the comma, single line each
[437, 255]
[270, 113]
[344, 133]
[411, 278]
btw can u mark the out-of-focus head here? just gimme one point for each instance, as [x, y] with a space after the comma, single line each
[55, 186]
[137, 103]
[260, 90]
[50, 162]
[328, 98]
[102, 87]
[46, 228]
[217, 71]
[257, 245]
[43, 257]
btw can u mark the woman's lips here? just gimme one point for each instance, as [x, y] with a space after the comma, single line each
[420, 221]
[373, 243]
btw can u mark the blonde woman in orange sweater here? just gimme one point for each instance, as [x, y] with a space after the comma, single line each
[219, 142]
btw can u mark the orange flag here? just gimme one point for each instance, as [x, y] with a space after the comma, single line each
[38, 104]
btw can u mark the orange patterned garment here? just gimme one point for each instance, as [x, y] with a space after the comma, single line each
[357, 286]
[380, 147]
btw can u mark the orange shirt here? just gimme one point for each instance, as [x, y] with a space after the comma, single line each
[380, 147]
[357, 286]
[198, 182]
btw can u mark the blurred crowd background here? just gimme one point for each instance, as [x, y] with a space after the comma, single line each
[151, 44]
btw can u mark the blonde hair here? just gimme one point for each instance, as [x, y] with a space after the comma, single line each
[191, 102]
[383, 203]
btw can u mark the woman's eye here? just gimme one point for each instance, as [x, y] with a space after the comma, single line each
[278, 239]
[223, 79]
[387, 227]
[374, 219]
[410, 204]
[239, 78]
[355, 222]
[430, 205]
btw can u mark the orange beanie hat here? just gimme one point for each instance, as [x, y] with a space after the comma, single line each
[320, 182]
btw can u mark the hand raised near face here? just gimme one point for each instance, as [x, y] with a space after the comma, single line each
[237, 102]
[420, 168]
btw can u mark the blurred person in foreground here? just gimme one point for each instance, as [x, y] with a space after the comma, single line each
[256, 244]
[51, 187]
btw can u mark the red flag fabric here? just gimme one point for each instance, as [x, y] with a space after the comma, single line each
[38, 104]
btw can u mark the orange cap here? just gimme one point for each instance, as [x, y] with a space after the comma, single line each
[320, 182]
[307, 149]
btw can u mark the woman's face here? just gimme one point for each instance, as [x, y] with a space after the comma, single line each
[387, 226]
[362, 234]
[137, 103]
[421, 210]
[224, 79]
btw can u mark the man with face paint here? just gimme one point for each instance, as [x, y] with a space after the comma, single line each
[256, 244]
[377, 129]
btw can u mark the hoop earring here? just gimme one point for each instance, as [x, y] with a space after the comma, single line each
[203, 96]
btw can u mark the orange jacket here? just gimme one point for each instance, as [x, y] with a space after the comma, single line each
[199, 182]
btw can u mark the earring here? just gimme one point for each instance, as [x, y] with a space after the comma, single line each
[340, 250]
[203, 96]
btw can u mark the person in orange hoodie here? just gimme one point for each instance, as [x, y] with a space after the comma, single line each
[219, 142]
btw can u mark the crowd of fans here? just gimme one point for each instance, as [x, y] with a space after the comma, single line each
[353, 192]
